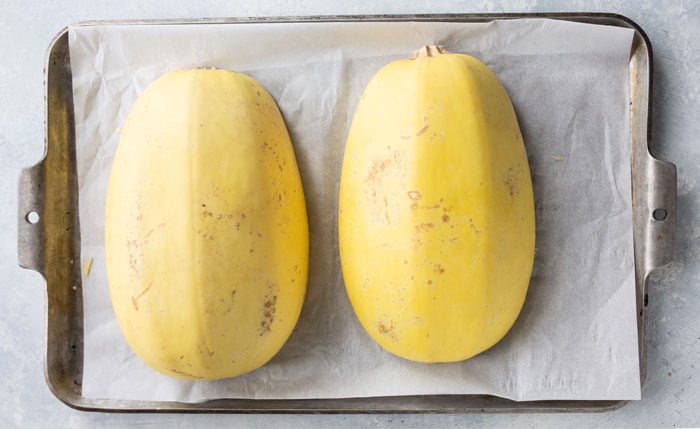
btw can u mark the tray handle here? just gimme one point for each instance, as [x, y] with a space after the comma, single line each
[31, 223]
[661, 226]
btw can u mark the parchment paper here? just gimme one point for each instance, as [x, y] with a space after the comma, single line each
[576, 337]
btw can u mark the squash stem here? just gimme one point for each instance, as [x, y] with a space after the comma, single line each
[429, 51]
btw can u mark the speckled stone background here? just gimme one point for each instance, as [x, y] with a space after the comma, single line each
[671, 393]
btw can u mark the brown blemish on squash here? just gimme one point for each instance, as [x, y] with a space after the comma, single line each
[422, 131]
[233, 301]
[386, 210]
[185, 374]
[414, 195]
[417, 242]
[512, 181]
[135, 300]
[439, 269]
[387, 329]
[135, 255]
[364, 283]
[268, 310]
[445, 218]
[377, 169]
[135, 250]
[512, 187]
[473, 227]
[204, 349]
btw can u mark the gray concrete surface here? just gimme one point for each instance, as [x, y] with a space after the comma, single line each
[671, 394]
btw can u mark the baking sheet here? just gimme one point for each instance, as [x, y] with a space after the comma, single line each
[576, 337]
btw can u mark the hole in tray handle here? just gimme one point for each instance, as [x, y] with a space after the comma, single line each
[33, 217]
[659, 214]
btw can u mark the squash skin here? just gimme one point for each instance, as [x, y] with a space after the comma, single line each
[206, 232]
[436, 209]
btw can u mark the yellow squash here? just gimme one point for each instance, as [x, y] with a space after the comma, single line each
[206, 231]
[436, 212]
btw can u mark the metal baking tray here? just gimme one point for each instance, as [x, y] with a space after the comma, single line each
[49, 236]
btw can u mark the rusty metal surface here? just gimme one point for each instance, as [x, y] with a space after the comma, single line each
[51, 244]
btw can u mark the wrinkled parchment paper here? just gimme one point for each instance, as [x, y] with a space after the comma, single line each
[576, 337]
